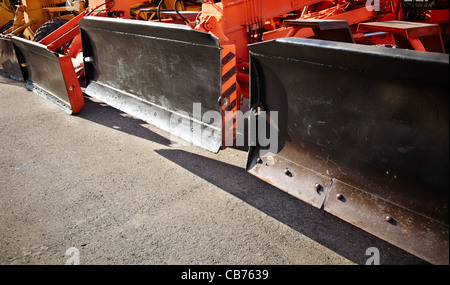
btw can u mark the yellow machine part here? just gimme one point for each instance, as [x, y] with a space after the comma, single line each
[6, 12]
[168, 4]
[34, 13]
[184, 6]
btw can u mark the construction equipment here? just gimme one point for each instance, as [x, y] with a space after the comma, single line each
[362, 132]
[33, 20]
[8, 61]
[9, 66]
[30, 15]
[6, 14]
[52, 66]
[346, 101]
[371, 149]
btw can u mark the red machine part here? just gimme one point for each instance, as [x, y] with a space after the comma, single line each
[240, 22]
[68, 36]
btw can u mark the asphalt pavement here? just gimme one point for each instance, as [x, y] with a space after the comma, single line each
[102, 187]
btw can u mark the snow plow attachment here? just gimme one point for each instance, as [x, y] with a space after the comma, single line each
[9, 66]
[165, 74]
[49, 74]
[363, 132]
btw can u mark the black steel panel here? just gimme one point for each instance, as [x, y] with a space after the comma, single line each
[9, 65]
[154, 71]
[372, 118]
[42, 72]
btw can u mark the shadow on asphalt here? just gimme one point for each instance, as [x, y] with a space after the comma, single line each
[110, 117]
[322, 227]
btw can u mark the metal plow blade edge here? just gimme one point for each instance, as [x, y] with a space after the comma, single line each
[9, 66]
[49, 74]
[165, 74]
[363, 132]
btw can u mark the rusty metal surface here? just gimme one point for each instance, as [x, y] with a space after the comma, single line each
[298, 180]
[422, 236]
[372, 121]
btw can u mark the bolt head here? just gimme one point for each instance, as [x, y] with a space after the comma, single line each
[389, 219]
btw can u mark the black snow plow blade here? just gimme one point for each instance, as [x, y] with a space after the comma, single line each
[49, 74]
[156, 72]
[363, 132]
[9, 66]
